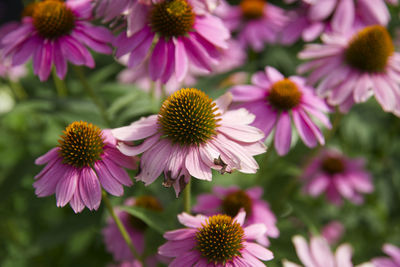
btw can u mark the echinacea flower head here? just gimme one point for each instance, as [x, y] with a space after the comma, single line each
[276, 100]
[257, 22]
[53, 32]
[85, 161]
[365, 64]
[135, 227]
[232, 199]
[392, 261]
[169, 36]
[319, 254]
[338, 176]
[219, 240]
[191, 135]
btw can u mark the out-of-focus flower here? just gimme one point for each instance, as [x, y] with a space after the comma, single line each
[332, 232]
[190, 136]
[392, 261]
[231, 58]
[312, 18]
[256, 21]
[219, 240]
[85, 161]
[275, 99]
[54, 32]
[318, 253]
[135, 227]
[365, 64]
[230, 200]
[8, 71]
[337, 175]
[169, 36]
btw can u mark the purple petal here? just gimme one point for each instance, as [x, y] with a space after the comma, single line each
[118, 172]
[259, 251]
[181, 60]
[50, 155]
[66, 187]
[89, 189]
[283, 134]
[158, 60]
[107, 181]
[196, 166]
[343, 18]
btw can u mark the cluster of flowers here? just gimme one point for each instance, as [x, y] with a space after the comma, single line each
[172, 41]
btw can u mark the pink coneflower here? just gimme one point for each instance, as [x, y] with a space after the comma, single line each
[230, 200]
[332, 232]
[190, 136]
[394, 257]
[54, 32]
[318, 253]
[219, 240]
[85, 160]
[337, 175]
[135, 227]
[365, 64]
[256, 21]
[312, 18]
[169, 36]
[275, 99]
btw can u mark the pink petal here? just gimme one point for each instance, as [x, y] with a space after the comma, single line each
[46, 185]
[254, 231]
[303, 251]
[304, 130]
[125, 45]
[138, 130]
[50, 155]
[243, 133]
[343, 18]
[176, 248]
[158, 60]
[247, 93]
[318, 185]
[321, 252]
[107, 181]
[283, 134]
[139, 54]
[259, 251]
[170, 62]
[181, 60]
[392, 251]
[191, 221]
[66, 187]
[273, 75]
[240, 217]
[180, 234]
[59, 60]
[321, 9]
[118, 172]
[196, 166]
[343, 256]
[89, 189]
[76, 202]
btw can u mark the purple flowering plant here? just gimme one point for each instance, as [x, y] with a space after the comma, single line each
[187, 133]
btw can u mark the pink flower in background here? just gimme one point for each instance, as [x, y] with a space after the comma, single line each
[85, 161]
[169, 36]
[332, 232]
[365, 64]
[318, 253]
[275, 100]
[392, 261]
[233, 57]
[256, 21]
[135, 227]
[312, 18]
[190, 136]
[7, 70]
[54, 32]
[219, 240]
[338, 176]
[230, 200]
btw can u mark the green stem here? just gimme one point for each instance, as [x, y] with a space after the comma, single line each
[121, 227]
[18, 90]
[335, 125]
[187, 197]
[90, 91]
[60, 84]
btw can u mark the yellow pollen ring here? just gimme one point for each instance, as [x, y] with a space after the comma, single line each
[284, 95]
[252, 9]
[370, 49]
[52, 18]
[188, 117]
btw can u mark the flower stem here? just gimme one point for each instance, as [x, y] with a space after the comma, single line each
[18, 90]
[90, 91]
[60, 84]
[335, 124]
[186, 197]
[121, 227]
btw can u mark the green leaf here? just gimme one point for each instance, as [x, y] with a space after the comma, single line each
[153, 219]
